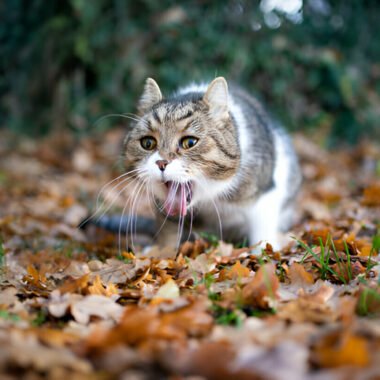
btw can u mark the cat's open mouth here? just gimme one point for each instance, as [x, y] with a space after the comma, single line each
[178, 197]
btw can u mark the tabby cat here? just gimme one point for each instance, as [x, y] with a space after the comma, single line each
[214, 160]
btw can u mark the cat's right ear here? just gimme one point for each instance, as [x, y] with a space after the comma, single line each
[216, 97]
[151, 96]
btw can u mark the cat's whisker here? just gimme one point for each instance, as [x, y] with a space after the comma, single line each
[184, 187]
[167, 214]
[99, 208]
[129, 219]
[130, 216]
[151, 199]
[191, 215]
[115, 187]
[133, 213]
[191, 224]
[125, 116]
[120, 225]
[116, 196]
[103, 188]
[180, 232]
[217, 213]
[169, 200]
[135, 116]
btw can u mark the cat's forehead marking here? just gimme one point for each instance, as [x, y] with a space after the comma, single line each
[156, 115]
[176, 115]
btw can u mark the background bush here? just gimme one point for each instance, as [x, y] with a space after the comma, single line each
[64, 64]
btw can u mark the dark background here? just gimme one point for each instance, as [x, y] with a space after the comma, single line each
[65, 64]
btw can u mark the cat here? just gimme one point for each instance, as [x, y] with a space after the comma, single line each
[214, 157]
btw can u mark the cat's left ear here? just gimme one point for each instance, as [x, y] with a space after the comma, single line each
[151, 96]
[216, 97]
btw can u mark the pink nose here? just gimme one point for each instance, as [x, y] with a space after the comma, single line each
[162, 164]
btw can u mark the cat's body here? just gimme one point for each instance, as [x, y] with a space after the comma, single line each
[214, 157]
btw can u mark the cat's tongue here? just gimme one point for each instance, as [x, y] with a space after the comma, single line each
[176, 198]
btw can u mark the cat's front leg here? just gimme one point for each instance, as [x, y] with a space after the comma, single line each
[264, 219]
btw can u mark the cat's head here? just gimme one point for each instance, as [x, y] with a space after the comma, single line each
[185, 147]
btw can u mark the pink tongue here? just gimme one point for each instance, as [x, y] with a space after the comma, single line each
[175, 202]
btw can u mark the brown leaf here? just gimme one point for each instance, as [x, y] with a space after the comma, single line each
[56, 338]
[95, 306]
[237, 271]
[98, 288]
[367, 250]
[299, 275]
[263, 287]
[193, 249]
[371, 195]
[342, 349]
[74, 285]
[169, 290]
[309, 307]
[139, 325]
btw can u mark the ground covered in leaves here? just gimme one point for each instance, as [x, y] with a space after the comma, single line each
[73, 304]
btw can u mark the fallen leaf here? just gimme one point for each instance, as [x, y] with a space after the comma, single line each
[98, 288]
[309, 307]
[262, 289]
[342, 349]
[169, 290]
[371, 195]
[95, 306]
[299, 276]
[235, 272]
[55, 337]
[77, 285]
[139, 325]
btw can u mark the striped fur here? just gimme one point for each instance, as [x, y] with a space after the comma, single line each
[242, 169]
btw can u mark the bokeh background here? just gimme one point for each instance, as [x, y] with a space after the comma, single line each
[65, 64]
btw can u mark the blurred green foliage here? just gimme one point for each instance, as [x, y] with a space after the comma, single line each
[64, 64]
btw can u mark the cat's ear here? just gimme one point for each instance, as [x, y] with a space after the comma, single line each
[151, 96]
[216, 97]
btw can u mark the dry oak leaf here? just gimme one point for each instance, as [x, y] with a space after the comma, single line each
[169, 290]
[342, 349]
[193, 248]
[371, 195]
[235, 272]
[34, 276]
[35, 283]
[138, 325]
[98, 288]
[76, 285]
[58, 303]
[221, 359]
[263, 287]
[298, 275]
[211, 360]
[95, 306]
[309, 307]
[21, 349]
[56, 338]
[366, 249]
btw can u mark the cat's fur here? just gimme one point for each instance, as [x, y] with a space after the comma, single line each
[242, 170]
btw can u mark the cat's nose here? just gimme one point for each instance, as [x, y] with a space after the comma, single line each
[162, 164]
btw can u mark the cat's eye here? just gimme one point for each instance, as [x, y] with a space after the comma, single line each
[188, 142]
[148, 142]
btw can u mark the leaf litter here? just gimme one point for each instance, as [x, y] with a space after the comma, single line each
[74, 303]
